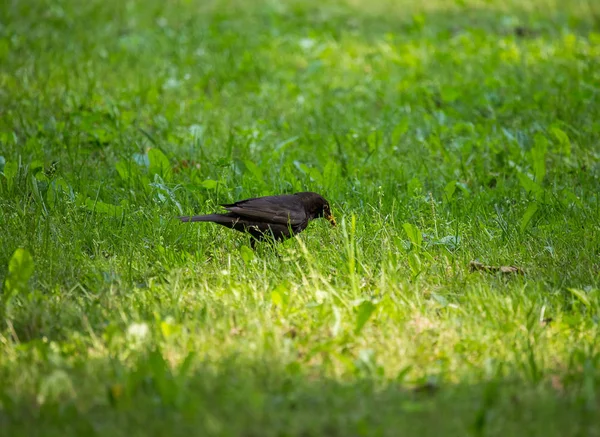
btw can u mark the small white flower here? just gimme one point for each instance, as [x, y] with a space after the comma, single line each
[171, 83]
[138, 331]
[306, 43]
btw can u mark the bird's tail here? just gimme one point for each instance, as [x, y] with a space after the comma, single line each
[202, 218]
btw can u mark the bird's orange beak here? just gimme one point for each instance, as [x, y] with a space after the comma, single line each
[331, 219]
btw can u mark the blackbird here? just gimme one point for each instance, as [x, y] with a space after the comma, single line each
[278, 217]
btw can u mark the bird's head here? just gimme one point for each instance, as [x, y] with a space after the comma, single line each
[316, 206]
[326, 212]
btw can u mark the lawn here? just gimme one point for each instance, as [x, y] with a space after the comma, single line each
[457, 141]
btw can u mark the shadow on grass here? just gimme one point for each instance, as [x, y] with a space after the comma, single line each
[238, 398]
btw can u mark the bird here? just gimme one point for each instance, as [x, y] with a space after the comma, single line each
[270, 217]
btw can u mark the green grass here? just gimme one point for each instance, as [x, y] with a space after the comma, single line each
[442, 132]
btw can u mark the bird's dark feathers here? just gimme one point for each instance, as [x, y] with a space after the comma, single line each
[273, 209]
[279, 217]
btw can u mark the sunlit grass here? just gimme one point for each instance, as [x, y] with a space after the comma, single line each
[442, 133]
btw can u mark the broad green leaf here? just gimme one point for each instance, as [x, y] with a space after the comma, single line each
[20, 269]
[247, 254]
[209, 184]
[159, 164]
[365, 310]
[414, 234]
[449, 190]
[564, 143]
[528, 184]
[529, 213]
[21, 265]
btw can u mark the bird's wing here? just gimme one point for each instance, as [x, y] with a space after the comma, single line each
[286, 209]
